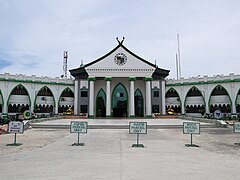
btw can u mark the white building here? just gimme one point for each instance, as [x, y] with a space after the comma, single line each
[119, 84]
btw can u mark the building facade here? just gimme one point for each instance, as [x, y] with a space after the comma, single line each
[120, 84]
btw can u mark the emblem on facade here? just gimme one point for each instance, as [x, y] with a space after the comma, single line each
[120, 59]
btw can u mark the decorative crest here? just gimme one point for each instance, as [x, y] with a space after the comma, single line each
[120, 42]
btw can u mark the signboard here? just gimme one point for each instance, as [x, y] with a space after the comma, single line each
[15, 127]
[217, 114]
[236, 127]
[191, 128]
[78, 127]
[137, 127]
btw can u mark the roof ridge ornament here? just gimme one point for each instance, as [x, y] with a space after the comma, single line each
[120, 42]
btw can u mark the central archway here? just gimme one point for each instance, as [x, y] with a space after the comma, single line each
[120, 101]
[138, 102]
[101, 104]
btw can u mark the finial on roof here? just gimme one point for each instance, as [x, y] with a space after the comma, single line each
[120, 42]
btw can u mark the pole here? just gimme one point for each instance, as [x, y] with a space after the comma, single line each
[78, 137]
[177, 65]
[180, 74]
[191, 139]
[137, 138]
[15, 139]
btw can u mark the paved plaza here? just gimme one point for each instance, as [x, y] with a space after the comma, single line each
[108, 154]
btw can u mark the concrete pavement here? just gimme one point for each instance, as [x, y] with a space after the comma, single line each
[108, 155]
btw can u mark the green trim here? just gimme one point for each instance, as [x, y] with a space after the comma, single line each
[2, 98]
[148, 78]
[36, 94]
[62, 93]
[178, 97]
[108, 116]
[20, 85]
[201, 95]
[36, 82]
[142, 103]
[132, 116]
[113, 98]
[148, 116]
[91, 78]
[97, 108]
[132, 78]
[227, 94]
[108, 78]
[236, 99]
[91, 116]
[202, 82]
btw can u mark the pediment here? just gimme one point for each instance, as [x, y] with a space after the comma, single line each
[120, 62]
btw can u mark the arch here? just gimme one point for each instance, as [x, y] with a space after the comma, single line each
[45, 91]
[19, 90]
[101, 103]
[2, 102]
[65, 96]
[173, 100]
[237, 102]
[138, 103]
[120, 101]
[218, 91]
[196, 107]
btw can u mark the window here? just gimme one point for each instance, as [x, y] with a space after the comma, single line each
[155, 108]
[83, 108]
[155, 93]
[84, 94]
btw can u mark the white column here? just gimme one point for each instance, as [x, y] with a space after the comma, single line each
[148, 97]
[233, 95]
[108, 92]
[91, 96]
[5, 97]
[132, 103]
[163, 97]
[76, 97]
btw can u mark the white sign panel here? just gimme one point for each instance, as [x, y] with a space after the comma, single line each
[138, 128]
[236, 127]
[15, 127]
[78, 127]
[191, 128]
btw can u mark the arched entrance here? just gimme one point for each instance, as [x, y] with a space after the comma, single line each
[173, 101]
[138, 102]
[19, 100]
[101, 104]
[220, 100]
[194, 102]
[119, 101]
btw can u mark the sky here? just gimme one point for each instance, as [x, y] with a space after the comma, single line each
[35, 33]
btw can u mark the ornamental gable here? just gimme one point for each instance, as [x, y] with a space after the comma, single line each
[120, 62]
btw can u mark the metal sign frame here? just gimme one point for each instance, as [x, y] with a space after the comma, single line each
[80, 123]
[195, 130]
[138, 131]
[236, 127]
[15, 127]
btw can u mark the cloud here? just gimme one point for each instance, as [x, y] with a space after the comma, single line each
[34, 34]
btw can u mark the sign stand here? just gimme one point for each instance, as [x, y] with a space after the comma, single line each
[191, 128]
[78, 143]
[138, 128]
[15, 127]
[78, 127]
[138, 145]
[15, 141]
[191, 145]
[236, 129]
